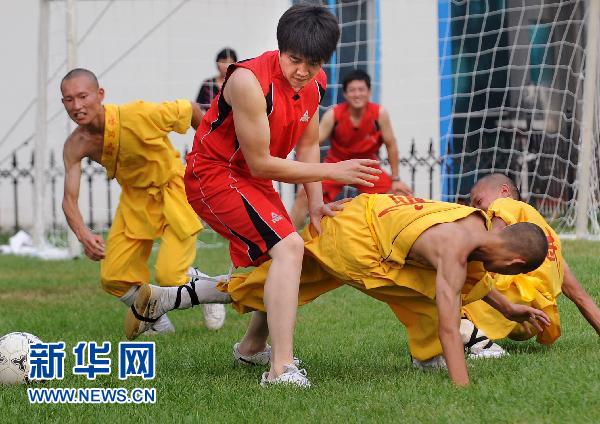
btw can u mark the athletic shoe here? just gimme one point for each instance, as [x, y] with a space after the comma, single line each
[436, 363]
[144, 312]
[214, 315]
[291, 376]
[260, 358]
[162, 326]
[477, 344]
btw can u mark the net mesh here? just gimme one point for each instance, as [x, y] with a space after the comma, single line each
[512, 89]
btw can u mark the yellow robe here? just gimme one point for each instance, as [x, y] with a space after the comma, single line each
[538, 288]
[138, 153]
[366, 246]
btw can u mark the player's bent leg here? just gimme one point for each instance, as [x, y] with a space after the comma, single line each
[477, 344]
[214, 313]
[281, 303]
[173, 269]
[152, 302]
[125, 264]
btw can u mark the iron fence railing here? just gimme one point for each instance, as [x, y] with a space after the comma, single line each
[19, 174]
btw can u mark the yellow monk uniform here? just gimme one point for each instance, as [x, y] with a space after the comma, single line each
[153, 204]
[538, 289]
[366, 246]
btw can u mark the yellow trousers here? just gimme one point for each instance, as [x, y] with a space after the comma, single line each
[126, 261]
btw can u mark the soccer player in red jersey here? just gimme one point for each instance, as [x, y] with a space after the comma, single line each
[267, 106]
[357, 128]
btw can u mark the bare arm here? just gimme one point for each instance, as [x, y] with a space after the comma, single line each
[197, 114]
[577, 294]
[307, 150]
[450, 277]
[245, 96]
[326, 125]
[389, 140]
[93, 244]
[516, 312]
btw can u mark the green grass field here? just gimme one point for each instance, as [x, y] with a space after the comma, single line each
[353, 349]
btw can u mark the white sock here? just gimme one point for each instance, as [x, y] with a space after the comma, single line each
[198, 290]
[129, 297]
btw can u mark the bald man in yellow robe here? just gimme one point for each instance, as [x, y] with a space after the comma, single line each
[539, 288]
[131, 142]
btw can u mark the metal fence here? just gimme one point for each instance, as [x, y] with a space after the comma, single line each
[19, 175]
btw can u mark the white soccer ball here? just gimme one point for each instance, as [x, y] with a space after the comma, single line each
[14, 357]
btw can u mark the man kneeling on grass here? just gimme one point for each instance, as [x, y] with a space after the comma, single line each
[424, 258]
[499, 196]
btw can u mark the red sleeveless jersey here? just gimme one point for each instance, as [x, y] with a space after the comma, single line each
[216, 152]
[354, 142]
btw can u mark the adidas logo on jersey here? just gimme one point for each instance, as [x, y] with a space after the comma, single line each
[275, 218]
[305, 117]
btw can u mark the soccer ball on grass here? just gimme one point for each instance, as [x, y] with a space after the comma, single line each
[14, 357]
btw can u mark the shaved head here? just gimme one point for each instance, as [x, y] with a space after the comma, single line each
[496, 180]
[492, 187]
[528, 241]
[81, 72]
[82, 97]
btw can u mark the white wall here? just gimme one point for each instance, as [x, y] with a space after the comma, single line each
[174, 59]
[409, 74]
[171, 63]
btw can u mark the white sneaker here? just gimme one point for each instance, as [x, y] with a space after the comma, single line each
[477, 344]
[162, 326]
[214, 315]
[436, 363]
[259, 358]
[291, 376]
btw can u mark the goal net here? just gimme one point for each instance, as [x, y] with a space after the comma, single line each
[518, 95]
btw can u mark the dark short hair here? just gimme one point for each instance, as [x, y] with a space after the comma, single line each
[309, 31]
[78, 72]
[356, 75]
[226, 53]
[497, 179]
[528, 241]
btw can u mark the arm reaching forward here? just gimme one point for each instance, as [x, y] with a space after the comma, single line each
[516, 312]
[93, 244]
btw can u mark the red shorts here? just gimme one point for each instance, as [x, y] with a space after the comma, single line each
[251, 216]
[331, 189]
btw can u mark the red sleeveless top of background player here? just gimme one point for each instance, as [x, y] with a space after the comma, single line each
[355, 142]
[216, 158]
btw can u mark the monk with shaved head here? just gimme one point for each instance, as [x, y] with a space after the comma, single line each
[499, 196]
[131, 142]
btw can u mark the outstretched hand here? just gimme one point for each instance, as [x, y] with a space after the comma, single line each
[328, 209]
[523, 313]
[355, 172]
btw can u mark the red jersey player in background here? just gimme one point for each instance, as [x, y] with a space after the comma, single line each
[356, 128]
[267, 106]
